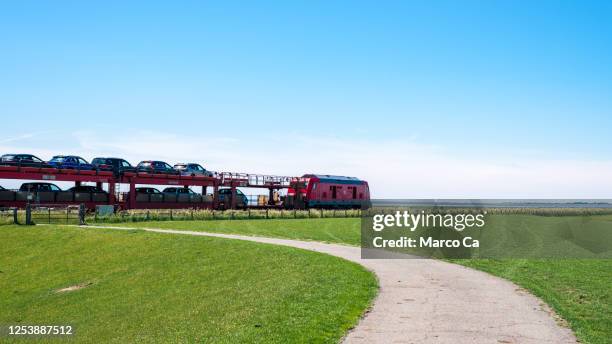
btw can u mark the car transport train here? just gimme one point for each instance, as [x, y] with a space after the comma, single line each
[219, 190]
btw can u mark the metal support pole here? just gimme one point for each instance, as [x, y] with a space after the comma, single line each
[15, 218]
[111, 192]
[82, 214]
[215, 196]
[132, 200]
[28, 214]
[233, 200]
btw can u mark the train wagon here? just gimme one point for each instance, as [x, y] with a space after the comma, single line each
[326, 191]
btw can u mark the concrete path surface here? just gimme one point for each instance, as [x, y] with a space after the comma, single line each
[430, 301]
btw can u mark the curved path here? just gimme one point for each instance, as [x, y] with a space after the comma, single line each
[430, 301]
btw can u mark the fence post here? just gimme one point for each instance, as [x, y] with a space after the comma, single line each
[334, 213]
[267, 215]
[295, 213]
[249, 212]
[321, 212]
[15, 219]
[82, 214]
[309, 213]
[171, 218]
[49, 214]
[345, 213]
[28, 214]
[148, 217]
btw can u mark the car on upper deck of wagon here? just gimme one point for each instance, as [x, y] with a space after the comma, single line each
[25, 160]
[70, 162]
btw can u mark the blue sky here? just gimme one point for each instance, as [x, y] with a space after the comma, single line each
[497, 84]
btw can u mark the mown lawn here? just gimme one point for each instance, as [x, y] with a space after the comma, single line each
[580, 290]
[335, 230]
[147, 287]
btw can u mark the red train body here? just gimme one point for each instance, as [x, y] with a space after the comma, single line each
[325, 191]
[314, 191]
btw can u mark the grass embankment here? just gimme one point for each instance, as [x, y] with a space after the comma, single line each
[148, 287]
[578, 289]
[334, 230]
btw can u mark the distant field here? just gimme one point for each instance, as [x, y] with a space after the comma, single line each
[579, 290]
[147, 287]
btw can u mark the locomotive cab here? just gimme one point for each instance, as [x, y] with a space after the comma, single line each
[326, 191]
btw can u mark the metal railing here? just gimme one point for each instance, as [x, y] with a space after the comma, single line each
[55, 214]
[254, 180]
[9, 216]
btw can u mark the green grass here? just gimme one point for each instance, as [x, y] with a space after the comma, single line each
[335, 230]
[578, 289]
[149, 287]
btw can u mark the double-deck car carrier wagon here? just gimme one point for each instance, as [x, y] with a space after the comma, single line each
[308, 191]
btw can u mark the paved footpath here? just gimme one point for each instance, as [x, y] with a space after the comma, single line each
[430, 301]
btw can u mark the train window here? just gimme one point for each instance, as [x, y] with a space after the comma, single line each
[354, 192]
[360, 195]
[314, 186]
[333, 192]
[324, 194]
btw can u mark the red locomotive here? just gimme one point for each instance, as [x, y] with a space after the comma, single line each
[325, 191]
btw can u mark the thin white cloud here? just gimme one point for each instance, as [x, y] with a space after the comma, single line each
[18, 138]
